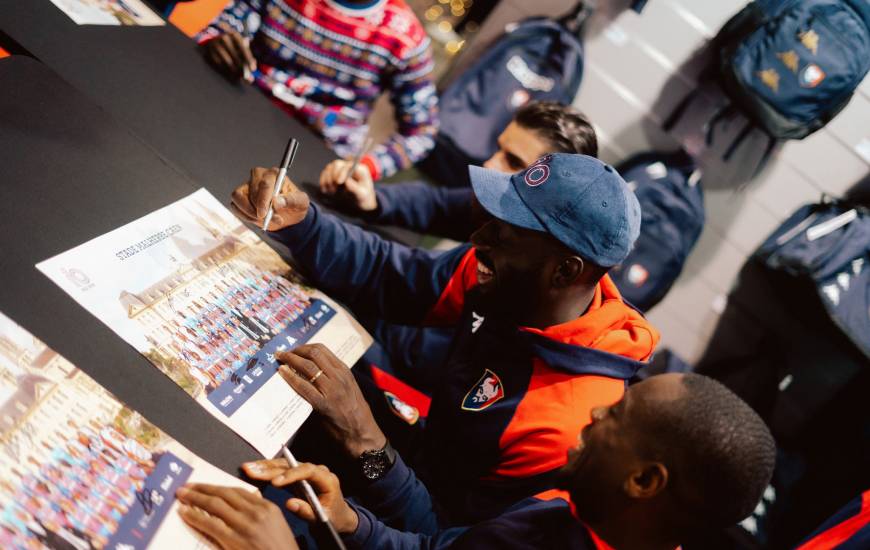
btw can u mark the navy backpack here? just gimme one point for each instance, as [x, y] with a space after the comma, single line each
[829, 243]
[789, 66]
[536, 59]
[672, 217]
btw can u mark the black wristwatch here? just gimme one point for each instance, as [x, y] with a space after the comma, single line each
[375, 464]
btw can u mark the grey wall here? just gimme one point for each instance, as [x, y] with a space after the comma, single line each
[637, 68]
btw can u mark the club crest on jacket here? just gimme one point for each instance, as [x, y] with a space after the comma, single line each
[484, 392]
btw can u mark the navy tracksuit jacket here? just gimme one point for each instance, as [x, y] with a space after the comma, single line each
[509, 401]
[541, 523]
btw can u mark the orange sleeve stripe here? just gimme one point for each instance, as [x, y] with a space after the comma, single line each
[3, 53]
[553, 494]
[449, 306]
[192, 17]
[841, 532]
[547, 421]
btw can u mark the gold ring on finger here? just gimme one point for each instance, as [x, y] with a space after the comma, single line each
[315, 377]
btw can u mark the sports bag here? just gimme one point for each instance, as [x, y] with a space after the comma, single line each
[536, 59]
[792, 65]
[829, 243]
[672, 217]
[789, 66]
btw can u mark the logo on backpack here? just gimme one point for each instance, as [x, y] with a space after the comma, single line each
[484, 392]
[517, 66]
[811, 76]
[637, 274]
[770, 78]
[790, 59]
[401, 409]
[810, 40]
[519, 98]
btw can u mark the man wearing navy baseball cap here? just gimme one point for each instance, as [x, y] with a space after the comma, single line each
[542, 335]
[571, 211]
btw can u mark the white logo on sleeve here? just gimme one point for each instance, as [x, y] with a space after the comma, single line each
[478, 320]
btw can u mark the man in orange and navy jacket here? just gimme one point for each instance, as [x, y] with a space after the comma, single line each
[680, 455]
[542, 334]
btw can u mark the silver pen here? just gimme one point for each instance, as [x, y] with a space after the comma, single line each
[359, 155]
[312, 499]
[289, 155]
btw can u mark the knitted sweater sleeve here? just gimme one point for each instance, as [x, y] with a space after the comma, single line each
[415, 100]
[231, 19]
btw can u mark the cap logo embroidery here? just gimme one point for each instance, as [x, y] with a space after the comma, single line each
[538, 173]
[484, 392]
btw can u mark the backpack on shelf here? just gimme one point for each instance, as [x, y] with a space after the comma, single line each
[536, 59]
[672, 217]
[789, 66]
[829, 244]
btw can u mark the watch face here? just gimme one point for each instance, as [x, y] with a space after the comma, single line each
[374, 464]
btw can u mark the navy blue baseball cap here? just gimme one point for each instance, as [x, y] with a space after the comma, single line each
[579, 200]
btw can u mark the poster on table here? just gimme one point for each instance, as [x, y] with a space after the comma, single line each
[210, 304]
[109, 12]
[78, 469]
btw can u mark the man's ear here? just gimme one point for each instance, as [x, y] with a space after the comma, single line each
[647, 482]
[568, 272]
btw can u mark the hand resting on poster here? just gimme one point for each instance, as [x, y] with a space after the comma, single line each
[235, 519]
[279, 473]
[250, 201]
[329, 386]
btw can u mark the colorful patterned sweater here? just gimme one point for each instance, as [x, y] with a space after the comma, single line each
[327, 61]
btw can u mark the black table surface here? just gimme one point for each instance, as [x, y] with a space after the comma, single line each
[154, 80]
[71, 172]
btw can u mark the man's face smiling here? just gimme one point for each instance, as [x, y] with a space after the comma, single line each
[513, 265]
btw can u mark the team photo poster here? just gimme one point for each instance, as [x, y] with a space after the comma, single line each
[79, 470]
[210, 304]
[109, 12]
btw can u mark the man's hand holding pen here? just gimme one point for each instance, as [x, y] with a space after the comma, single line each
[251, 200]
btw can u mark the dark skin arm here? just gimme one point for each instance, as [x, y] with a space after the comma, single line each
[334, 395]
